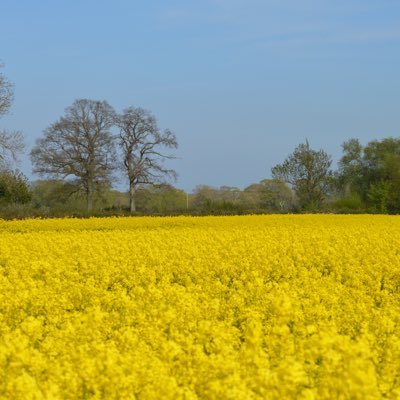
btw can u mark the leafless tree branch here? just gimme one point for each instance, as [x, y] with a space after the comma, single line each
[142, 145]
[79, 145]
[11, 145]
[6, 94]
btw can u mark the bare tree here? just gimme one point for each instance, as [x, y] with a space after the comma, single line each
[11, 144]
[6, 94]
[79, 145]
[142, 145]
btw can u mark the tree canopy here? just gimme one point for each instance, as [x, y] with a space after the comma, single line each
[80, 146]
[308, 172]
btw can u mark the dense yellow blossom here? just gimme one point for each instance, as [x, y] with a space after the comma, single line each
[255, 307]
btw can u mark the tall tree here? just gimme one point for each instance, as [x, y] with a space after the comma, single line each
[351, 167]
[79, 145]
[307, 171]
[143, 144]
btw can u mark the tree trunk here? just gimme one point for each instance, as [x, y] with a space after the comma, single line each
[132, 202]
[89, 196]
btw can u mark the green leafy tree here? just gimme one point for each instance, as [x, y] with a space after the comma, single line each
[160, 199]
[372, 172]
[60, 195]
[269, 194]
[308, 173]
[205, 197]
[211, 199]
[14, 188]
[379, 195]
[351, 167]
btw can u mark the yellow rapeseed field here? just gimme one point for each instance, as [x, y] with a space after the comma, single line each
[249, 307]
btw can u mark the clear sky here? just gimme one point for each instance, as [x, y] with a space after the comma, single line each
[240, 82]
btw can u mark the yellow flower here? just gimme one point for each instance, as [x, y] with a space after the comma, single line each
[251, 307]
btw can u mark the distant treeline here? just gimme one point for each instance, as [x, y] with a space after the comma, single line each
[82, 154]
[367, 180]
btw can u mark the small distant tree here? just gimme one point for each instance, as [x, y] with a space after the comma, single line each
[277, 195]
[213, 199]
[205, 197]
[143, 145]
[229, 194]
[308, 172]
[269, 194]
[65, 196]
[161, 199]
[79, 146]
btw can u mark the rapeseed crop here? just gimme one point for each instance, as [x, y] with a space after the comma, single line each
[250, 307]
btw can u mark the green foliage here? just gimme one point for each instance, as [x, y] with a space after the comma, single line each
[379, 195]
[307, 171]
[223, 200]
[269, 194]
[13, 188]
[59, 195]
[351, 165]
[351, 203]
[373, 172]
[160, 199]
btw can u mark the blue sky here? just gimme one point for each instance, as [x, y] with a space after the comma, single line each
[240, 82]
